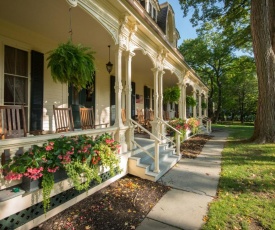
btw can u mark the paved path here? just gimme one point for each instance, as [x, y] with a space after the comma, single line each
[194, 185]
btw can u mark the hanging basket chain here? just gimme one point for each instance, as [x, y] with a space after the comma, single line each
[70, 25]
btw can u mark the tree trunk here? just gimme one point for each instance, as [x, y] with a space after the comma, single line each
[263, 35]
[210, 99]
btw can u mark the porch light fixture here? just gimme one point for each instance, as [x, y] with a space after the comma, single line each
[109, 65]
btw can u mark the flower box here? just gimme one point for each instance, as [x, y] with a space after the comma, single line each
[30, 185]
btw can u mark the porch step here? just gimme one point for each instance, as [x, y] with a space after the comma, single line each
[142, 165]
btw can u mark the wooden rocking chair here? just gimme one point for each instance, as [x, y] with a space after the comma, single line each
[123, 116]
[141, 120]
[87, 119]
[13, 123]
[63, 118]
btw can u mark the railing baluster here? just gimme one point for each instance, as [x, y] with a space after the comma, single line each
[5, 157]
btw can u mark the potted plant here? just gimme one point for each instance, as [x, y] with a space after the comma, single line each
[191, 101]
[193, 124]
[203, 105]
[27, 166]
[180, 125]
[171, 94]
[72, 64]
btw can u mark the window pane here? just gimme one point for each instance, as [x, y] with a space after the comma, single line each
[21, 63]
[8, 92]
[9, 60]
[21, 91]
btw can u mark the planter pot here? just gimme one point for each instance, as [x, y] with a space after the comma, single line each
[30, 185]
[60, 175]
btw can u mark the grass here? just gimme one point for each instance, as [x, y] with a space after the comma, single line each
[246, 193]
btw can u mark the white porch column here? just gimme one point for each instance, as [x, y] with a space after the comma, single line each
[206, 109]
[118, 86]
[155, 126]
[120, 134]
[160, 79]
[200, 115]
[182, 102]
[195, 107]
[183, 90]
[128, 91]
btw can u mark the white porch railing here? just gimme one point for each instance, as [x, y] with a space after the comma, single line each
[177, 132]
[157, 142]
[206, 122]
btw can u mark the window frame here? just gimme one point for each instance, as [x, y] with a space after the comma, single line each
[21, 46]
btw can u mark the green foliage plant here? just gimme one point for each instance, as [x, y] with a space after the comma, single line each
[180, 125]
[77, 169]
[47, 186]
[190, 101]
[81, 156]
[107, 157]
[193, 124]
[203, 105]
[72, 64]
[171, 94]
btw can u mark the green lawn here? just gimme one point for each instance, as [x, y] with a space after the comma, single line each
[246, 194]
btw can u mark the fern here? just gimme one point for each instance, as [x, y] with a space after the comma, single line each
[72, 64]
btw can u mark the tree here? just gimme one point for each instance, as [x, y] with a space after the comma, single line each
[210, 56]
[240, 92]
[246, 21]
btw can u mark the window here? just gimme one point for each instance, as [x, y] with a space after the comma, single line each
[154, 14]
[142, 2]
[15, 76]
[150, 9]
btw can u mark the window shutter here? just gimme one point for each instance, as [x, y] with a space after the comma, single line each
[37, 90]
[146, 97]
[112, 99]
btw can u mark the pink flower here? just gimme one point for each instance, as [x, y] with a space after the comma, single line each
[49, 147]
[13, 176]
[109, 141]
[53, 170]
[34, 173]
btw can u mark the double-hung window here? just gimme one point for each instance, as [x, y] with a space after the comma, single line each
[15, 76]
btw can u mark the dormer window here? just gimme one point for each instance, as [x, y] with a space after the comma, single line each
[142, 2]
[151, 8]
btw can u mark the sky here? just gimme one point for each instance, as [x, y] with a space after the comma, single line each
[182, 24]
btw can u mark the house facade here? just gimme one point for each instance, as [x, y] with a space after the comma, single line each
[138, 37]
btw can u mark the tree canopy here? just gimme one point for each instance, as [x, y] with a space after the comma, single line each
[246, 24]
[212, 57]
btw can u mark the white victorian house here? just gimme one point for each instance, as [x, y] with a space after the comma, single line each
[143, 50]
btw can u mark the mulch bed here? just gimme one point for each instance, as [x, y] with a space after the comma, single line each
[122, 205]
[193, 146]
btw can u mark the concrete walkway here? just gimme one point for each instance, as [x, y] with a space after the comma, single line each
[194, 185]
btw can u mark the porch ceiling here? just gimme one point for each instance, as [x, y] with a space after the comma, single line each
[141, 63]
[50, 18]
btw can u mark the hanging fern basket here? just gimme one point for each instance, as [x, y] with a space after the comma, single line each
[191, 101]
[171, 95]
[72, 64]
